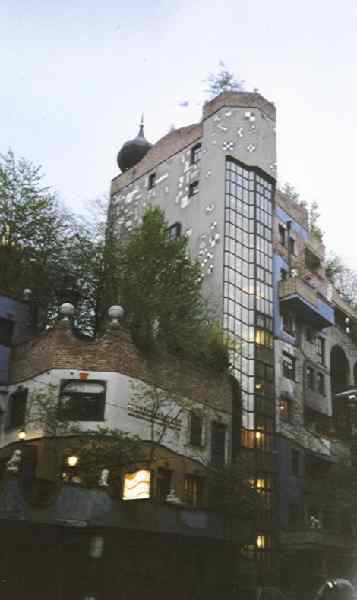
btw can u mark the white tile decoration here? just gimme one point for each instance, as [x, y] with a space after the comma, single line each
[249, 116]
[210, 208]
[228, 146]
[209, 172]
[240, 132]
[251, 148]
[228, 113]
[222, 127]
[185, 201]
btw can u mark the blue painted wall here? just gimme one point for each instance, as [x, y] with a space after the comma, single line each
[19, 312]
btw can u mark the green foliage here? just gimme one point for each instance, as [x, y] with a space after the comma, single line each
[45, 248]
[223, 81]
[289, 190]
[231, 491]
[314, 217]
[159, 286]
[343, 278]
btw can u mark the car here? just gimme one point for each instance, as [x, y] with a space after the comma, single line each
[336, 589]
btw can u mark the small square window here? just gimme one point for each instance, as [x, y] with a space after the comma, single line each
[174, 231]
[17, 408]
[196, 154]
[310, 378]
[152, 181]
[321, 383]
[6, 331]
[284, 408]
[282, 235]
[288, 366]
[193, 490]
[193, 189]
[196, 429]
[288, 324]
[291, 247]
[320, 349]
[218, 444]
[283, 274]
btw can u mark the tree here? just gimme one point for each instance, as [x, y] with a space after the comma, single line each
[314, 217]
[96, 449]
[159, 286]
[45, 248]
[223, 81]
[343, 278]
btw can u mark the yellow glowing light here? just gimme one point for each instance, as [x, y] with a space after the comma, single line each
[21, 434]
[72, 460]
[260, 484]
[258, 386]
[137, 485]
[260, 541]
[258, 435]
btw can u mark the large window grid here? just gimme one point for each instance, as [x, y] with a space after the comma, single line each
[248, 289]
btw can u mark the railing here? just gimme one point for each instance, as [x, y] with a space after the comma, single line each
[309, 536]
[294, 285]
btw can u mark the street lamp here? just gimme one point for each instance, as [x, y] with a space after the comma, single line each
[21, 434]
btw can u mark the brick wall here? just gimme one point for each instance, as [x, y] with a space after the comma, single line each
[115, 352]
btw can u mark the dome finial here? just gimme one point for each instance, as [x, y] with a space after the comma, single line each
[141, 130]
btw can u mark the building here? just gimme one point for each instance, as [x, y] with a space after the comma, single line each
[115, 524]
[289, 330]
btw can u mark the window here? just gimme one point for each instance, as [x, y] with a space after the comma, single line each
[193, 189]
[196, 429]
[82, 400]
[137, 485]
[283, 274]
[196, 154]
[310, 336]
[174, 231]
[288, 366]
[320, 349]
[288, 324]
[321, 383]
[282, 235]
[293, 514]
[163, 483]
[6, 331]
[17, 408]
[295, 463]
[291, 246]
[152, 181]
[193, 490]
[310, 378]
[218, 444]
[284, 408]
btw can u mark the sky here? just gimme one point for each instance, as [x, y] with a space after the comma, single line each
[76, 76]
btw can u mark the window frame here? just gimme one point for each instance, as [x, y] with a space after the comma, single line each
[218, 458]
[289, 372]
[101, 382]
[193, 497]
[7, 336]
[196, 150]
[152, 180]
[20, 395]
[199, 432]
[193, 188]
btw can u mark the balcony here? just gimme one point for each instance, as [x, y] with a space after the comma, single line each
[311, 539]
[299, 297]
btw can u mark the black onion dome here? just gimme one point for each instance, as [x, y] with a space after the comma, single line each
[133, 151]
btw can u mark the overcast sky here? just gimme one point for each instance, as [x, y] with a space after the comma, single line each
[76, 76]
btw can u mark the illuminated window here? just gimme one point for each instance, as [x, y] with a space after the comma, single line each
[137, 485]
[284, 408]
[260, 542]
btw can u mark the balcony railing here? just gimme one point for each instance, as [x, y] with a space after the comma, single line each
[300, 297]
[309, 538]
